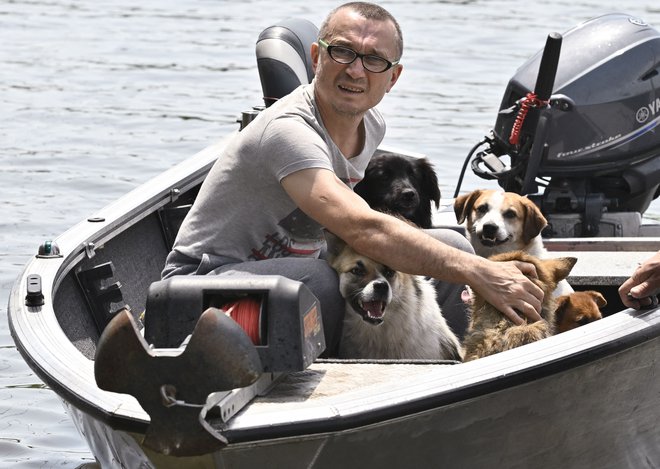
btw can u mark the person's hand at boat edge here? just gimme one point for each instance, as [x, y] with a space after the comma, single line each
[641, 289]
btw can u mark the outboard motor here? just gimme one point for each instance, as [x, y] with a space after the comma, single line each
[283, 57]
[593, 145]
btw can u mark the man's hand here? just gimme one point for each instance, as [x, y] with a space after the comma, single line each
[506, 286]
[641, 289]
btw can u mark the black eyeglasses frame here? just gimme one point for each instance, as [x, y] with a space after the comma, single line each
[330, 48]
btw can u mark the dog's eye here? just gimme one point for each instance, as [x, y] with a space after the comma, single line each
[482, 209]
[509, 214]
[388, 273]
[583, 320]
[358, 270]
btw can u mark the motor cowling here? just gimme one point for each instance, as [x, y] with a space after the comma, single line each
[596, 145]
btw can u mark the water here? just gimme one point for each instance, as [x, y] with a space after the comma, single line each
[98, 97]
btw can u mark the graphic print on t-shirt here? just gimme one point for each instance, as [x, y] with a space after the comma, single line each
[301, 237]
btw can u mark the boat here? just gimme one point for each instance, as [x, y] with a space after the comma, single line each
[185, 385]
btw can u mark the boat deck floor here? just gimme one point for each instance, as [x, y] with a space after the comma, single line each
[325, 378]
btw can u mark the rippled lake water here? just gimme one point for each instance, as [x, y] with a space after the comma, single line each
[98, 97]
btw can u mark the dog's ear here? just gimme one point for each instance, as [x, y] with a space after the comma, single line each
[334, 244]
[563, 302]
[597, 297]
[429, 180]
[463, 204]
[560, 267]
[534, 221]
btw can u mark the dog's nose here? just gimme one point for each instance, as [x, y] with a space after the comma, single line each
[408, 196]
[489, 230]
[381, 287]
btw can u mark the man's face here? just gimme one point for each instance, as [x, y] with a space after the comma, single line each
[349, 89]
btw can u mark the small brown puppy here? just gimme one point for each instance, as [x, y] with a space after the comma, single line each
[577, 309]
[491, 332]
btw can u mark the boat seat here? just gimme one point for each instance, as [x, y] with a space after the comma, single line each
[283, 57]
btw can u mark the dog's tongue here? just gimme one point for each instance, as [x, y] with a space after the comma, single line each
[374, 308]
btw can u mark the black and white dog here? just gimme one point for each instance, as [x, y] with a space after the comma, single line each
[389, 314]
[401, 184]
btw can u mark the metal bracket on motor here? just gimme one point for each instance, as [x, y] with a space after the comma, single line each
[593, 212]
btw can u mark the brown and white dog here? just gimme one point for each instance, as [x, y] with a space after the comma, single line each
[577, 309]
[499, 222]
[491, 332]
[389, 314]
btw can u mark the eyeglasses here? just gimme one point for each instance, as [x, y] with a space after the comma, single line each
[346, 55]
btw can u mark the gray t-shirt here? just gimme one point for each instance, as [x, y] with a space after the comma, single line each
[242, 213]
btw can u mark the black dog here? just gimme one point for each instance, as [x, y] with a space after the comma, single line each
[401, 185]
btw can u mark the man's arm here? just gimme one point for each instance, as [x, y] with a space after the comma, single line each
[322, 196]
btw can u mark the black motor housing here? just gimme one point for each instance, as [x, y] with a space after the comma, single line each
[598, 141]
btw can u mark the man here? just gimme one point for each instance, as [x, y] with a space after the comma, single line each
[290, 173]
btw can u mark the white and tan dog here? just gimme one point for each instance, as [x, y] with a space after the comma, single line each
[499, 222]
[389, 314]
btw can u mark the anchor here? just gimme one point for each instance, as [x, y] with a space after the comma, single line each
[218, 368]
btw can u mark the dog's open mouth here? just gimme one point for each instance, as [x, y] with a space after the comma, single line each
[490, 242]
[372, 311]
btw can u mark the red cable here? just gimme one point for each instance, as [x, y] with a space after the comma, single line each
[246, 313]
[529, 101]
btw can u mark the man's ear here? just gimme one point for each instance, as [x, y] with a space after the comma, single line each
[396, 73]
[314, 53]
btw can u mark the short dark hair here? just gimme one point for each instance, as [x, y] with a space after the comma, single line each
[369, 11]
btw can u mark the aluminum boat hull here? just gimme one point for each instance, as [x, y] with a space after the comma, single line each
[585, 398]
